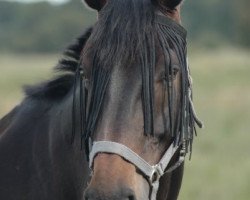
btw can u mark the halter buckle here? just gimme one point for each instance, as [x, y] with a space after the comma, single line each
[156, 174]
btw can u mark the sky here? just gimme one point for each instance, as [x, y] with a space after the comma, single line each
[32, 1]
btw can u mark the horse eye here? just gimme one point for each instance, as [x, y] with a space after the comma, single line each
[175, 70]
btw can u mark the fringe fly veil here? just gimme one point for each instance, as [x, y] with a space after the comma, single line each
[111, 46]
[172, 35]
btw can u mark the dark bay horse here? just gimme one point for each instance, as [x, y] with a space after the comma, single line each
[116, 123]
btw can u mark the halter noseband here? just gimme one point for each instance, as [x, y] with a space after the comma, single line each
[151, 173]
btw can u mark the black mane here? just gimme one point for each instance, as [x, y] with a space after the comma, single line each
[60, 86]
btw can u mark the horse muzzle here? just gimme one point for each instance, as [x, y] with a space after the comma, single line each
[113, 179]
[121, 194]
[120, 164]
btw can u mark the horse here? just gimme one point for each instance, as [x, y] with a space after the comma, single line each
[118, 119]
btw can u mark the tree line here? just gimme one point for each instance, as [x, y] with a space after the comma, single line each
[42, 27]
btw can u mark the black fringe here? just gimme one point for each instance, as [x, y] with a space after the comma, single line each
[185, 128]
[171, 36]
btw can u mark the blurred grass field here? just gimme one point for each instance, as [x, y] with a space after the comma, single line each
[220, 165]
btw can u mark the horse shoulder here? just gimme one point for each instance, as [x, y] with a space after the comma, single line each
[24, 129]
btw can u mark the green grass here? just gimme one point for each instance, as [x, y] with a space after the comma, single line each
[220, 165]
[19, 70]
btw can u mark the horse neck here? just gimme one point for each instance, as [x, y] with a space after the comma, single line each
[70, 160]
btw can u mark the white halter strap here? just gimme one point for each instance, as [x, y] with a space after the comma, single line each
[152, 173]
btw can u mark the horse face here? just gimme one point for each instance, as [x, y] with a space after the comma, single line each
[122, 121]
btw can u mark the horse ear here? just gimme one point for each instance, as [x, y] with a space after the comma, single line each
[169, 3]
[95, 4]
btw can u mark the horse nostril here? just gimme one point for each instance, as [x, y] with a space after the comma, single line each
[120, 194]
[131, 198]
[89, 194]
[128, 194]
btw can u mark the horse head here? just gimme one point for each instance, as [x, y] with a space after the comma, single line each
[139, 121]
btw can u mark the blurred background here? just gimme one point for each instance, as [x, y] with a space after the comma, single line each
[33, 33]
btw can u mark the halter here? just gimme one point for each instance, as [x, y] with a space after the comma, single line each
[151, 173]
